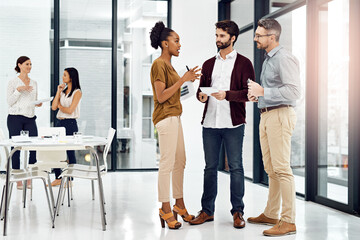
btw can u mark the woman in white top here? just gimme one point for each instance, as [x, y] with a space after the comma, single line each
[67, 100]
[21, 93]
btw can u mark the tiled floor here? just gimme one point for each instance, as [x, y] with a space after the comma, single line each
[133, 213]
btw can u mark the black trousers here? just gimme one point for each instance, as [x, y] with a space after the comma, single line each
[71, 126]
[15, 124]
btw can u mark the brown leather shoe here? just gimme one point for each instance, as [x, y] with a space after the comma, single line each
[239, 221]
[280, 229]
[262, 219]
[201, 218]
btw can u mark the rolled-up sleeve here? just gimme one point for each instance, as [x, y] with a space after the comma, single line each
[290, 89]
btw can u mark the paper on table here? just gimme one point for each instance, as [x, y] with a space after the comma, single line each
[43, 100]
[208, 90]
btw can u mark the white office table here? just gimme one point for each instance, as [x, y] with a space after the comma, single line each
[48, 144]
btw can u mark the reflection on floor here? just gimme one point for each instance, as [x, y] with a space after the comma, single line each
[132, 213]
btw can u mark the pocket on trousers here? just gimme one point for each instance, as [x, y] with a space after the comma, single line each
[287, 117]
[161, 124]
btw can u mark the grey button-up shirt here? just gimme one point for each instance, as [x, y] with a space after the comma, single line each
[280, 78]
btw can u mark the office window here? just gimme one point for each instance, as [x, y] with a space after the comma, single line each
[245, 46]
[242, 12]
[85, 29]
[293, 38]
[135, 102]
[333, 100]
[148, 127]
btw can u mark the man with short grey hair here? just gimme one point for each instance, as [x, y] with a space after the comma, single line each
[276, 96]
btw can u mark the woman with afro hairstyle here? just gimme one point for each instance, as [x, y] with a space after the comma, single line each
[166, 84]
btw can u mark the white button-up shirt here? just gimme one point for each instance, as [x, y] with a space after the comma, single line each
[218, 112]
[21, 103]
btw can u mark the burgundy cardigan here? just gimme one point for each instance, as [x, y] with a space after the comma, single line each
[237, 95]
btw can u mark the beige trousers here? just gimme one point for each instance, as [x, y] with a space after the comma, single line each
[172, 158]
[276, 127]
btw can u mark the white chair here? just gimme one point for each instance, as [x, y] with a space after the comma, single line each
[46, 160]
[19, 171]
[24, 175]
[72, 172]
[89, 168]
[30, 175]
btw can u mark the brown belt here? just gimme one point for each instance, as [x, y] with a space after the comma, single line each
[262, 110]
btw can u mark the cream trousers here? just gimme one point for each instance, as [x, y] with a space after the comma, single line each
[276, 127]
[172, 158]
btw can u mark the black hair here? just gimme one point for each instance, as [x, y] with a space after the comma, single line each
[271, 24]
[74, 76]
[158, 34]
[230, 27]
[20, 60]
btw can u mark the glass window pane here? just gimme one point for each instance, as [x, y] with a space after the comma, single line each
[147, 103]
[245, 46]
[242, 12]
[333, 100]
[25, 30]
[146, 128]
[293, 38]
[135, 55]
[87, 47]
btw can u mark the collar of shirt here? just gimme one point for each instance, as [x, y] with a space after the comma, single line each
[228, 56]
[273, 51]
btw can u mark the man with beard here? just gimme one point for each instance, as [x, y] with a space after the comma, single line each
[224, 121]
[277, 95]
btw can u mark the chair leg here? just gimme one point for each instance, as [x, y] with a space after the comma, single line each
[10, 192]
[63, 193]
[2, 201]
[31, 189]
[51, 192]
[71, 192]
[68, 190]
[103, 197]
[58, 201]
[48, 200]
[24, 192]
[102, 207]
[93, 189]
[63, 196]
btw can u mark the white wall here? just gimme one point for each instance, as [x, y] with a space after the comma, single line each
[25, 30]
[194, 21]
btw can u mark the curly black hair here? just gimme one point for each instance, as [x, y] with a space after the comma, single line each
[158, 34]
